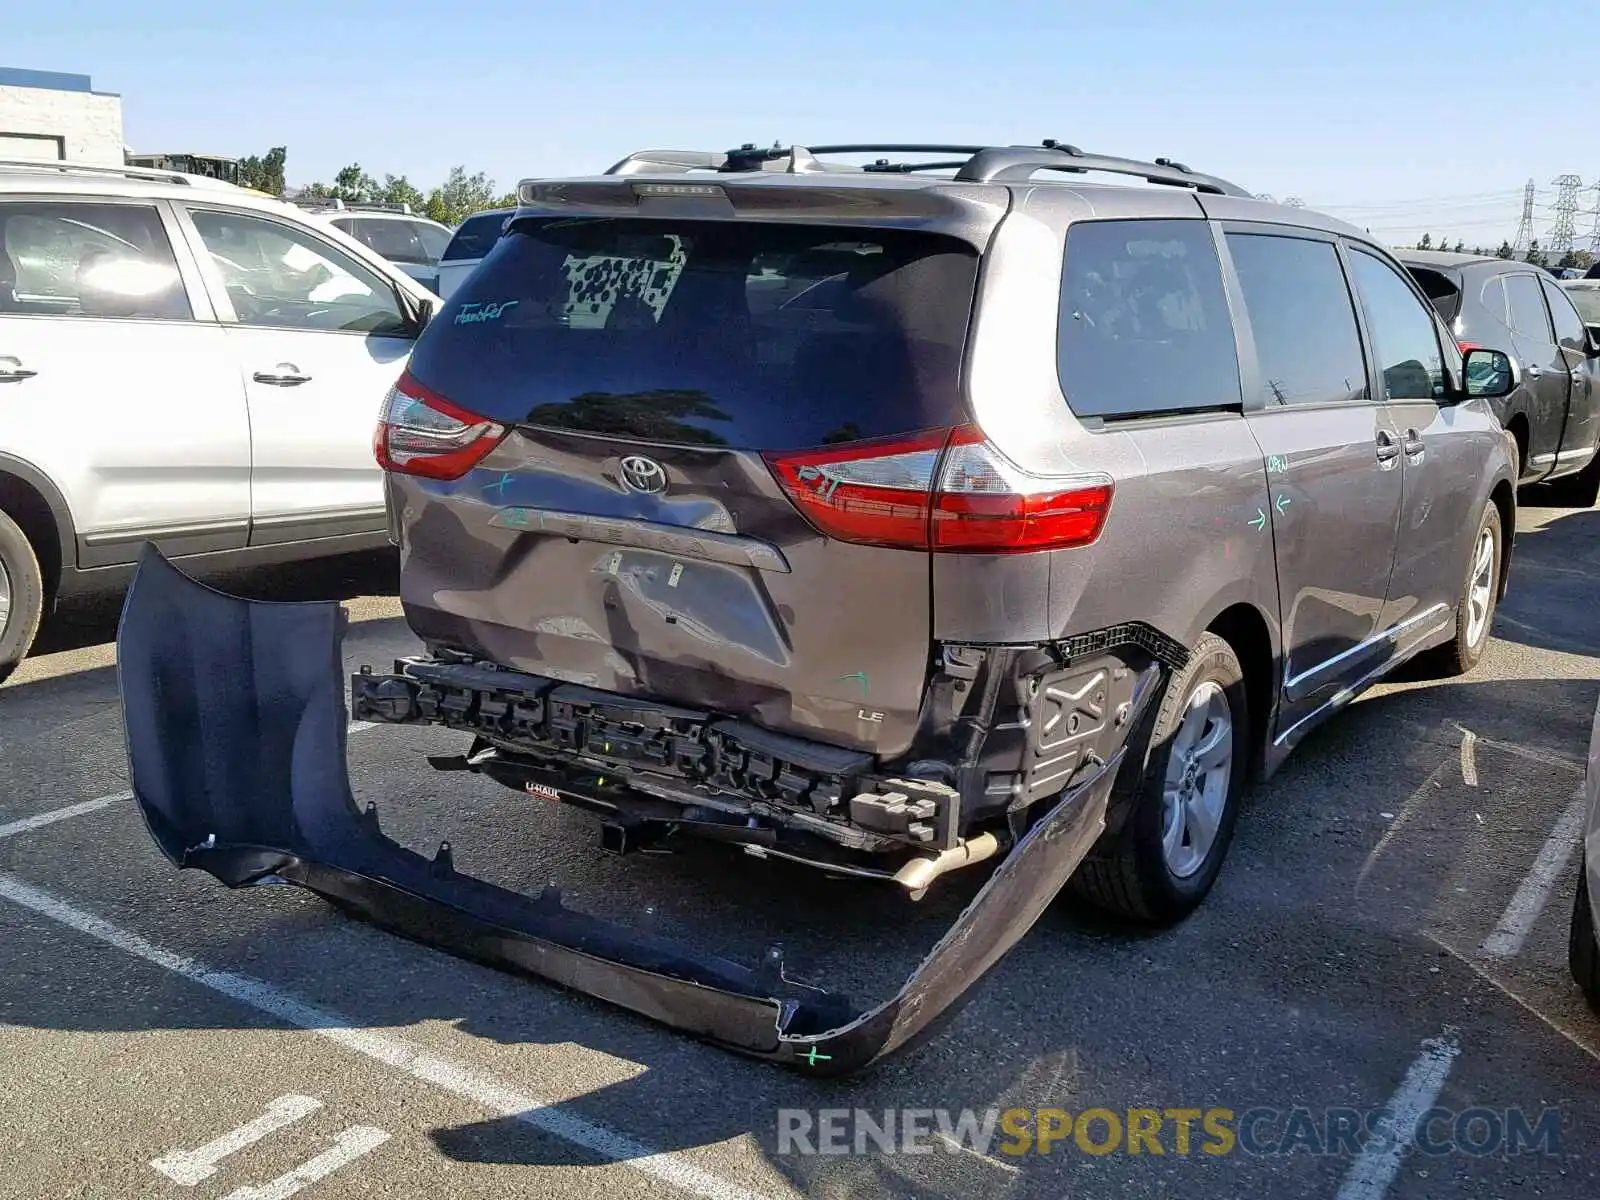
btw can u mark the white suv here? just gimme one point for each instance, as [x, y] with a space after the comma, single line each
[183, 362]
[411, 242]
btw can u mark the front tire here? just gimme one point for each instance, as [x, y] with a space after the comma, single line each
[21, 595]
[1163, 862]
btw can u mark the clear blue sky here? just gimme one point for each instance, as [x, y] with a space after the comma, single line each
[1362, 108]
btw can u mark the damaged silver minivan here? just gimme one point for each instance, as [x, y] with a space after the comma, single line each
[887, 518]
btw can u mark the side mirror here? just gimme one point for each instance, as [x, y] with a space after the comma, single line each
[1491, 374]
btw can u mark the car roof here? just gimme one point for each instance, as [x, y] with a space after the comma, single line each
[377, 214]
[1446, 258]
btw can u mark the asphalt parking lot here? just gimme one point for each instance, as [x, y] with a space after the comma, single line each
[1390, 930]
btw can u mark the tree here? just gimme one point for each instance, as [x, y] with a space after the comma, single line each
[1505, 251]
[460, 195]
[1461, 247]
[1536, 256]
[400, 190]
[264, 173]
[1426, 243]
[1568, 261]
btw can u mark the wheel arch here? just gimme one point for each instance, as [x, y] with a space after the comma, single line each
[39, 508]
[1245, 628]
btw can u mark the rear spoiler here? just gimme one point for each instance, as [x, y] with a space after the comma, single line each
[235, 721]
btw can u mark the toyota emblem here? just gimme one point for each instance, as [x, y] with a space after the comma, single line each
[641, 474]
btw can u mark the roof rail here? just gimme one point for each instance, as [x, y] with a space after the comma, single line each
[338, 205]
[976, 164]
[80, 168]
[1014, 164]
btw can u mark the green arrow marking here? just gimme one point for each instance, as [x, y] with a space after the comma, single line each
[860, 677]
[1259, 521]
[812, 1057]
[1283, 503]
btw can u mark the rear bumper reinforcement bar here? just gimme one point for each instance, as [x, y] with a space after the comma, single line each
[235, 721]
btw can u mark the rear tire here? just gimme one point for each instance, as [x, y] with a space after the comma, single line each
[1475, 612]
[1156, 870]
[1583, 955]
[21, 595]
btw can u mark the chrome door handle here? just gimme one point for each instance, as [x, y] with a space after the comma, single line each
[1414, 446]
[1579, 374]
[1387, 451]
[12, 370]
[282, 375]
[1534, 372]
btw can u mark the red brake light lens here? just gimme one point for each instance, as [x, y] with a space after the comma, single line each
[948, 491]
[876, 493]
[422, 433]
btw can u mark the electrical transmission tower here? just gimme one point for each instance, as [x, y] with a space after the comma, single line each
[1594, 238]
[1519, 244]
[1565, 230]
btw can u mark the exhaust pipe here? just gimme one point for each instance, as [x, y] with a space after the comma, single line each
[917, 874]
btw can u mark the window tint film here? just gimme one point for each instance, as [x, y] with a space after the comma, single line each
[1569, 325]
[1528, 315]
[476, 236]
[756, 335]
[1144, 325]
[281, 276]
[1404, 337]
[88, 260]
[1308, 345]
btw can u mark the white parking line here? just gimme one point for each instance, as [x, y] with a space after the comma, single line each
[1371, 1174]
[28, 824]
[1529, 901]
[189, 1167]
[1469, 760]
[349, 1146]
[447, 1075]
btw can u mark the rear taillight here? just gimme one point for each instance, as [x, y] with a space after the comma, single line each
[422, 433]
[949, 491]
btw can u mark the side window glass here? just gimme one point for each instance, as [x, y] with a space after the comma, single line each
[1404, 336]
[284, 277]
[1303, 319]
[89, 260]
[1144, 325]
[1494, 301]
[1528, 315]
[1570, 331]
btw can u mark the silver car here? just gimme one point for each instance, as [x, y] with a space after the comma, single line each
[883, 522]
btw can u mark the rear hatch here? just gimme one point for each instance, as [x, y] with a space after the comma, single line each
[712, 487]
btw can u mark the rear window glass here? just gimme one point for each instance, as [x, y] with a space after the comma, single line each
[1587, 301]
[1144, 324]
[1440, 287]
[475, 237]
[399, 241]
[755, 335]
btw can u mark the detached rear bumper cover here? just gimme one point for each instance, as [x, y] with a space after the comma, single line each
[235, 721]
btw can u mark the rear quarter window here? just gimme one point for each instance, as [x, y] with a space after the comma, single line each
[1144, 326]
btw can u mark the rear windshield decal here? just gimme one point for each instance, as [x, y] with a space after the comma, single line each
[477, 314]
